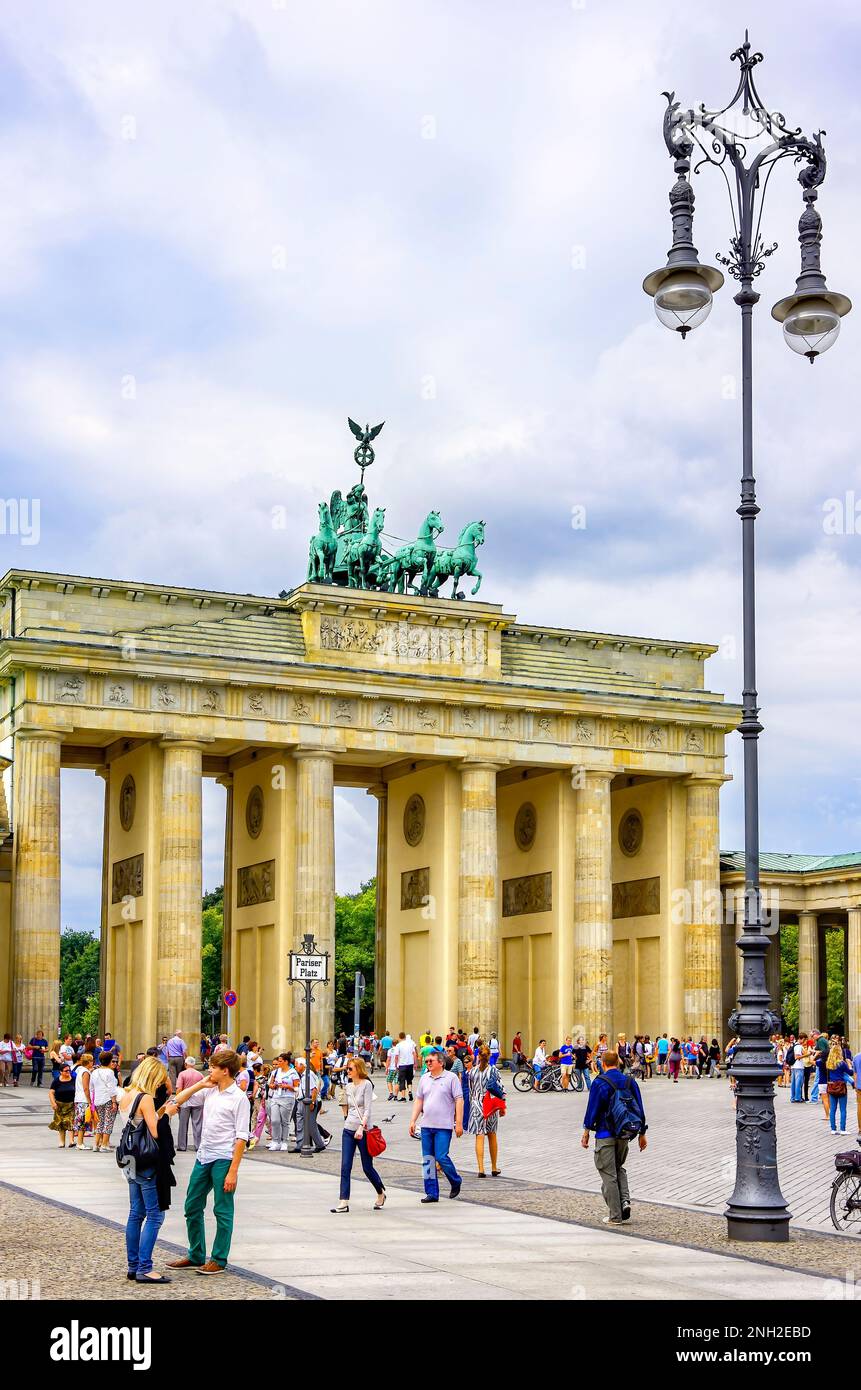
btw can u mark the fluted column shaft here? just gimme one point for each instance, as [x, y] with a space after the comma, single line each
[808, 972]
[478, 900]
[36, 890]
[180, 892]
[381, 793]
[702, 983]
[593, 907]
[227, 906]
[853, 978]
[314, 898]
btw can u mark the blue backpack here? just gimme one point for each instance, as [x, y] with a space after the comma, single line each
[623, 1115]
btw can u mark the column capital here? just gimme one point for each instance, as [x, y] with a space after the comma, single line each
[380, 790]
[594, 775]
[810, 916]
[489, 764]
[181, 741]
[707, 779]
[34, 731]
[103, 772]
[304, 750]
[226, 780]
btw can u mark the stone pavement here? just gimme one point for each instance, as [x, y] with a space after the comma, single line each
[690, 1161]
[480, 1247]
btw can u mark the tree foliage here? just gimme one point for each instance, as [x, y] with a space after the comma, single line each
[212, 936]
[79, 983]
[355, 928]
[835, 975]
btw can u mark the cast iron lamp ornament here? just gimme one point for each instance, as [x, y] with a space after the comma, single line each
[682, 291]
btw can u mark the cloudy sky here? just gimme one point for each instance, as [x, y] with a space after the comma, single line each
[226, 226]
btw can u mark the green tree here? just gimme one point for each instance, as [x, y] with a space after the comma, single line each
[79, 981]
[789, 976]
[212, 938]
[355, 929]
[836, 981]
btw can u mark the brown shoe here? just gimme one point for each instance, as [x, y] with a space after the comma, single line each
[184, 1263]
[210, 1268]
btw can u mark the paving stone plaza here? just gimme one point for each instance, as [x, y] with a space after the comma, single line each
[536, 1228]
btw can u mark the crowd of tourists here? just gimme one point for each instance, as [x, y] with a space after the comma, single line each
[229, 1100]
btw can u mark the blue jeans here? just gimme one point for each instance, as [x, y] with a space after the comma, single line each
[833, 1102]
[584, 1073]
[435, 1144]
[814, 1094]
[143, 1212]
[349, 1145]
[797, 1084]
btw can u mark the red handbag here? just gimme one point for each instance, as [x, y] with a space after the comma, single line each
[376, 1142]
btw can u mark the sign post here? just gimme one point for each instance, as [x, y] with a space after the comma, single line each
[230, 999]
[307, 968]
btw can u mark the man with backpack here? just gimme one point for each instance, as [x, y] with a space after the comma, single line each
[615, 1112]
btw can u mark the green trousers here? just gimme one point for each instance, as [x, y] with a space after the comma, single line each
[206, 1177]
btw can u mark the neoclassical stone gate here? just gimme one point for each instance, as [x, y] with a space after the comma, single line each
[547, 806]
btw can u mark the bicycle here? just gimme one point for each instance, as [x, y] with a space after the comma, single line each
[845, 1205]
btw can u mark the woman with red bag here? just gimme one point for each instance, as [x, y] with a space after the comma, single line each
[486, 1103]
[358, 1098]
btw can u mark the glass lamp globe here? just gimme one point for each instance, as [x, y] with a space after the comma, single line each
[811, 327]
[683, 301]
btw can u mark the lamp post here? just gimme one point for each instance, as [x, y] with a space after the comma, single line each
[309, 966]
[744, 140]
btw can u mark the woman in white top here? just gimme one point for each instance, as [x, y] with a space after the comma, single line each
[83, 1098]
[357, 1102]
[283, 1090]
[103, 1089]
[145, 1216]
[539, 1061]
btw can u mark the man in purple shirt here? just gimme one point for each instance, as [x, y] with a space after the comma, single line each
[439, 1100]
[856, 1067]
[176, 1053]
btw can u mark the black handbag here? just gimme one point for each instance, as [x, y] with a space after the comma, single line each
[137, 1151]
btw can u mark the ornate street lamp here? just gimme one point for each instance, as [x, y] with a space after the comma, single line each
[682, 291]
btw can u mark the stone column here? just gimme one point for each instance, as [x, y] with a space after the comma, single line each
[702, 979]
[381, 792]
[314, 897]
[808, 972]
[180, 891]
[478, 900]
[227, 932]
[593, 906]
[36, 881]
[853, 977]
[105, 774]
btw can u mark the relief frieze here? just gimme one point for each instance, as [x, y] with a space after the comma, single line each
[256, 884]
[531, 893]
[638, 897]
[127, 879]
[405, 641]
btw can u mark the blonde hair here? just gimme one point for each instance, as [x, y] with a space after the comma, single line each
[86, 1060]
[149, 1076]
[361, 1069]
[835, 1057]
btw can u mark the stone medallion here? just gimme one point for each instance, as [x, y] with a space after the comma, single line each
[128, 797]
[414, 820]
[631, 833]
[525, 826]
[254, 812]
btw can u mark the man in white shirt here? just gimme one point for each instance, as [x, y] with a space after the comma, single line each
[224, 1134]
[315, 1137]
[407, 1060]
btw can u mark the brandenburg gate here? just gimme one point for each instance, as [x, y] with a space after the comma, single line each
[547, 798]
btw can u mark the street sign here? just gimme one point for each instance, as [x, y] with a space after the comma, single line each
[306, 967]
[230, 998]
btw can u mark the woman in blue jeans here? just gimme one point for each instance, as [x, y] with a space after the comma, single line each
[358, 1098]
[145, 1215]
[840, 1078]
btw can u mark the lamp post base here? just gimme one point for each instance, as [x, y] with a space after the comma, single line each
[757, 1226]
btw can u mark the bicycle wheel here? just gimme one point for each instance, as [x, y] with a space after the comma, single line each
[550, 1080]
[846, 1202]
[576, 1083]
[524, 1079]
